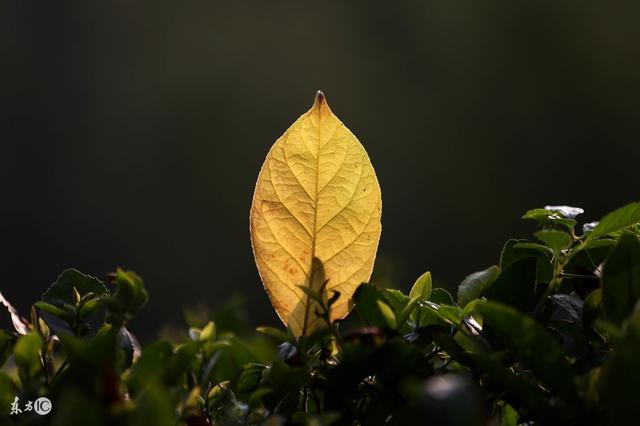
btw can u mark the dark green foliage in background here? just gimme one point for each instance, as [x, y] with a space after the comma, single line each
[548, 335]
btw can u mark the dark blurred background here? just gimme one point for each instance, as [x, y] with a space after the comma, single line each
[132, 133]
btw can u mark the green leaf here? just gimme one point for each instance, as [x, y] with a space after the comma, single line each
[406, 312]
[398, 302]
[621, 374]
[532, 344]
[621, 279]
[516, 285]
[508, 416]
[395, 299]
[441, 297]
[556, 240]
[515, 250]
[373, 307]
[157, 364]
[58, 304]
[535, 246]
[422, 287]
[616, 221]
[27, 355]
[546, 217]
[249, 378]
[276, 333]
[517, 390]
[62, 290]
[8, 392]
[208, 332]
[54, 310]
[387, 313]
[129, 297]
[474, 285]
[285, 382]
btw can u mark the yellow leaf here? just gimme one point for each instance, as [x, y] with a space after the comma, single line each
[317, 197]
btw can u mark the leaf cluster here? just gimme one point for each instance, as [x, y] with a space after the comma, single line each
[548, 335]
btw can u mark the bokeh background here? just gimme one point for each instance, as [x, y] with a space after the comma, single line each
[131, 133]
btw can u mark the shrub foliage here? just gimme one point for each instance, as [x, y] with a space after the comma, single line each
[550, 334]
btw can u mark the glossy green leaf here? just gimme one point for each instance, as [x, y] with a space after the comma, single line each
[8, 392]
[516, 285]
[556, 240]
[515, 250]
[276, 333]
[27, 355]
[621, 279]
[546, 217]
[407, 311]
[474, 285]
[422, 287]
[250, 378]
[441, 297]
[535, 246]
[373, 307]
[616, 221]
[129, 297]
[58, 304]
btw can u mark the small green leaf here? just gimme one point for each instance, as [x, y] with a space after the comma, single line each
[546, 217]
[276, 333]
[406, 312]
[208, 332]
[422, 287]
[58, 305]
[7, 393]
[27, 355]
[54, 310]
[396, 299]
[373, 307]
[441, 297]
[535, 246]
[250, 378]
[556, 240]
[129, 297]
[515, 250]
[88, 307]
[474, 285]
[616, 221]
[621, 279]
[621, 373]
[387, 313]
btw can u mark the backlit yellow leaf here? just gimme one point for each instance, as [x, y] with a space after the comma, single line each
[317, 197]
